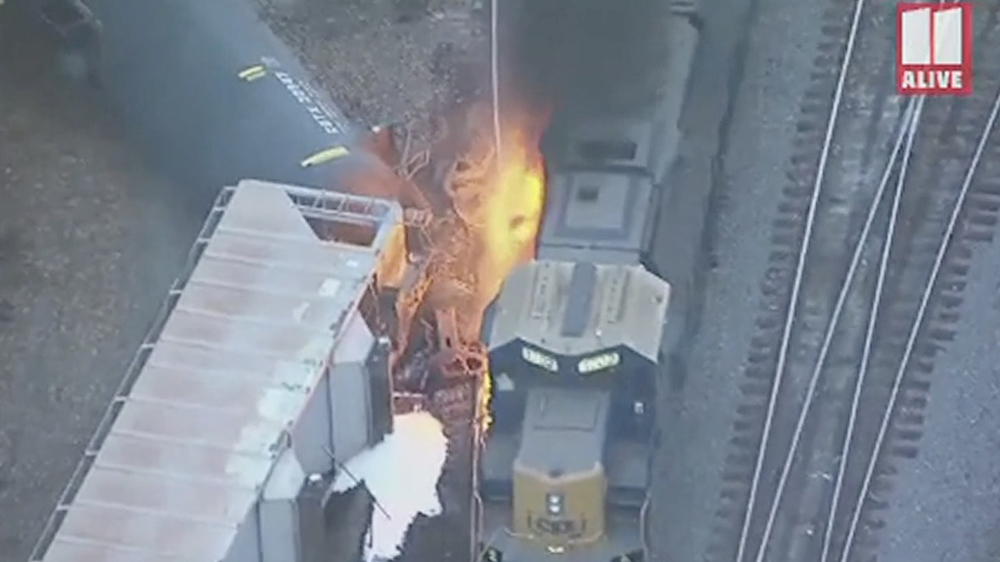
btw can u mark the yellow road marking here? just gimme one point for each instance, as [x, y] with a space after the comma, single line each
[325, 156]
[253, 73]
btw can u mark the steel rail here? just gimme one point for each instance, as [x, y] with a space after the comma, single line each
[907, 122]
[907, 132]
[797, 283]
[911, 341]
[873, 317]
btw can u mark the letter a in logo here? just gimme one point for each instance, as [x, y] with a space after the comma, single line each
[934, 49]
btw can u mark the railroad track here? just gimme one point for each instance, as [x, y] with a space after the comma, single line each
[838, 373]
[449, 536]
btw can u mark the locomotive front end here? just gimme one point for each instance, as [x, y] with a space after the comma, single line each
[574, 363]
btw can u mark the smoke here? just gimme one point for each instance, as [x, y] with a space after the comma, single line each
[595, 55]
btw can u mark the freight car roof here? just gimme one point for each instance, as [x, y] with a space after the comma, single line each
[192, 436]
[572, 309]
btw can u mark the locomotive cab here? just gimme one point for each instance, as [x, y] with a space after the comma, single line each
[564, 469]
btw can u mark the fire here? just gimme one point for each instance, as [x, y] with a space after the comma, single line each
[499, 202]
[480, 219]
[515, 196]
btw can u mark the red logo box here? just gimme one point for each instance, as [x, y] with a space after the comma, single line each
[934, 49]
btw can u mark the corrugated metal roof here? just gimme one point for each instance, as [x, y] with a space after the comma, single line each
[192, 437]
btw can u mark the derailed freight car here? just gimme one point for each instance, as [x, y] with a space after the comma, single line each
[261, 375]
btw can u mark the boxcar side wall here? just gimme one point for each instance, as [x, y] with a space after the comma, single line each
[350, 392]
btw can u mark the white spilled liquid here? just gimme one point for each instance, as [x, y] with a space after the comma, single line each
[401, 473]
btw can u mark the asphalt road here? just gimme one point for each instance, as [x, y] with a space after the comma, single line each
[88, 246]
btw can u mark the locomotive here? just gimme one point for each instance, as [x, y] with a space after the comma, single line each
[565, 466]
[580, 341]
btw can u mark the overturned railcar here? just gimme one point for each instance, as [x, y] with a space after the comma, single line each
[261, 377]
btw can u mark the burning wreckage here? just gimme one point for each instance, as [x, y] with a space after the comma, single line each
[546, 272]
[263, 385]
[470, 220]
[573, 346]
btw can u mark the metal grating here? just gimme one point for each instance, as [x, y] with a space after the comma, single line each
[190, 438]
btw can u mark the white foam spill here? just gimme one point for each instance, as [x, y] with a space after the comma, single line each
[401, 473]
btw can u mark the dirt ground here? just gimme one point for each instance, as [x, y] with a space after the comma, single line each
[382, 60]
[90, 238]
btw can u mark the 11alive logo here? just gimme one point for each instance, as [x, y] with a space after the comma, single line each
[934, 48]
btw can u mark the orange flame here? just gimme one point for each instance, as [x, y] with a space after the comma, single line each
[513, 205]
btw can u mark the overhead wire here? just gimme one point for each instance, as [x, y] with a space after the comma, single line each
[495, 80]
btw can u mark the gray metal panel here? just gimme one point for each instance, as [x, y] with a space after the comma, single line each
[350, 410]
[358, 342]
[286, 479]
[279, 529]
[246, 545]
[580, 300]
[575, 254]
[350, 392]
[311, 434]
[629, 309]
[564, 430]
[177, 466]
[623, 142]
[598, 210]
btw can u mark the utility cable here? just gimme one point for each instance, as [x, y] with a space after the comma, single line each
[495, 79]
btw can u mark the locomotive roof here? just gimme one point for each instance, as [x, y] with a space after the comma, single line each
[586, 209]
[578, 308]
